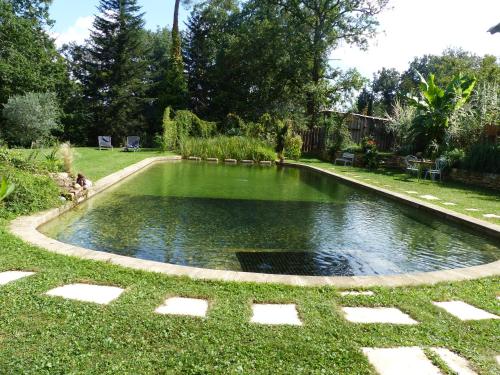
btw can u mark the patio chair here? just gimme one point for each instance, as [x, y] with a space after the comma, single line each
[410, 166]
[104, 142]
[347, 158]
[440, 166]
[132, 144]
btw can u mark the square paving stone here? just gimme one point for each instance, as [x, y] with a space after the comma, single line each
[400, 361]
[464, 311]
[456, 363]
[492, 216]
[8, 276]
[357, 293]
[388, 315]
[275, 314]
[184, 306]
[87, 293]
[429, 197]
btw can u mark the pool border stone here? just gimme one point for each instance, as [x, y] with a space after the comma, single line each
[26, 227]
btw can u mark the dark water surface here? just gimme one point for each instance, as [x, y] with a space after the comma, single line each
[266, 219]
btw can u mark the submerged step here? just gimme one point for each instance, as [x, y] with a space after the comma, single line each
[247, 161]
[214, 160]
[230, 161]
[195, 158]
[265, 162]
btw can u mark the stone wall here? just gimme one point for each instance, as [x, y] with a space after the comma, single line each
[488, 180]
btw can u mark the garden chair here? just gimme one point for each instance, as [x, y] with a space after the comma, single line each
[132, 143]
[410, 165]
[440, 166]
[346, 158]
[104, 142]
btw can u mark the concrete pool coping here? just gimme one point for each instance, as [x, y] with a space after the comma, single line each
[26, 228]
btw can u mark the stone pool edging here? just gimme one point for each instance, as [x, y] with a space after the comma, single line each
[26, 228]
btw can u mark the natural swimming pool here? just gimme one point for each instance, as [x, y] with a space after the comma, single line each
[279, 220]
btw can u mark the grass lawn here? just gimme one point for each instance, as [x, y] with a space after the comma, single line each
[486, 201]
[49, 335]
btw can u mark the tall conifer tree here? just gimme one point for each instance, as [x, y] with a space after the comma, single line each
[116, 69]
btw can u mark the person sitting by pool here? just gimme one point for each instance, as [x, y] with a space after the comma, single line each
[83, 181]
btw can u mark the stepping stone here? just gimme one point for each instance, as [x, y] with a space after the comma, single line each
[464, 311]
[403, 360]
[411, 192]
[275, 314]
[387, 185]
[492, 216]
[498, 359]
[429, 197]
[357, 293]
[87, 293]
[355, 175]
[8, 276]
[184, 306]
[456, 363]
[472, 209]
[389, 315]
[449, 204]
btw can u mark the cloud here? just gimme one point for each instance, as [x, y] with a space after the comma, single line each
[415, 28]
[77, 33]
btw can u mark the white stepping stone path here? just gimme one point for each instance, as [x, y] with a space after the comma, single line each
[9, 276]
[275, 314]
[357, 293]
[492, 216]
[498, 359]
[472, 209]
[388, 315]
[449, 204]
[429, 197]
[456, 363]
[464, 311]
[411, 192]
[398, 361]
[184, 306]
[100, 294]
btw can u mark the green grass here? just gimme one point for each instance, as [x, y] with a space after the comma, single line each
[50, 335]
[464, 196]
[95, 163]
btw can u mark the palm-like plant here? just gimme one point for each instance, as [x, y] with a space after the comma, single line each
[436, 105]
[6, 189]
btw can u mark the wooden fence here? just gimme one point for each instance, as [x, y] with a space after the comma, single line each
[315, 139]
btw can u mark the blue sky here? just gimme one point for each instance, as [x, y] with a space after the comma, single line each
[408, 28]
[67, 12]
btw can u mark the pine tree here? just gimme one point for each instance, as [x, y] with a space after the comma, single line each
[116, 68]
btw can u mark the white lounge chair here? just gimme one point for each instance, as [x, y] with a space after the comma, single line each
[104, 142]
[133, 143]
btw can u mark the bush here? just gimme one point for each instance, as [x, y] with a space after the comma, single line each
[371, 157]
[338, 135]
[169, 137]
[400, 125]
[483, 158]
[293, 146]
[454, 157]
[233, 125]
[188, 124]
[224, 147]
[30, 117]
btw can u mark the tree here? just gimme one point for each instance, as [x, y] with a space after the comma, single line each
[435, 106]
[30, 117]
[35, 10]
[113, 70]
[29, 60]
[385, 87]
[323, 25]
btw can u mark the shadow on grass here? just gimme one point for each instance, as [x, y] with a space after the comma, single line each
[480, 193]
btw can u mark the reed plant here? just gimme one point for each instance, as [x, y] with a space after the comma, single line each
[224, 147]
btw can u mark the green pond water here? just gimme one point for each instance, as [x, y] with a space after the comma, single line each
[279, 220]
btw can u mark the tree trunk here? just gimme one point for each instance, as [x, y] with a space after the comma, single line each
[176, 38]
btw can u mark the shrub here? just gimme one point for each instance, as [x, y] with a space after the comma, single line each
[67, 157]
[338, 135]
[483, 157]
[454, 157]
[169, 138]
[33, 192]
[30, 117]
[224, 147]
[188, 124]
[400, 125]
[6, 188]
[232, 125]
[371, 157]
[293, 146]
